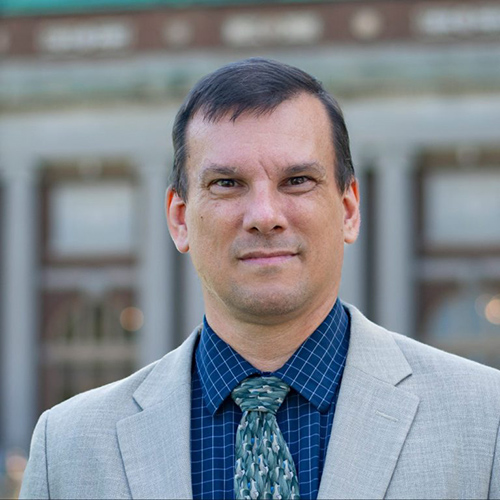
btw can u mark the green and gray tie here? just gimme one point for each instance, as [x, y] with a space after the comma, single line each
[264, 465]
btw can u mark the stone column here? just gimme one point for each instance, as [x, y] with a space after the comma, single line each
[156, 286]
[395, 205]
[19, 328]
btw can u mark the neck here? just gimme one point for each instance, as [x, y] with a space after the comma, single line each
[266, 345]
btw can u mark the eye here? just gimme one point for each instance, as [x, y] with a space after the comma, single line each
[296, 181]
[224, 187]
[225, 183]
[299, 184]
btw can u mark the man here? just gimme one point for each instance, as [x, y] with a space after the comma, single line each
[264, 199]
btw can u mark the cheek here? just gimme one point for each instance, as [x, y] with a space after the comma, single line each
[318, 218]
[325, 232]
[207, 228]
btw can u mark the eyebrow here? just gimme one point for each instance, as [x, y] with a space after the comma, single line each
[304, 167]
[215, 169]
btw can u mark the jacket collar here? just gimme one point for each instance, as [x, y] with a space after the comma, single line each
[372, 420]
[155, 443]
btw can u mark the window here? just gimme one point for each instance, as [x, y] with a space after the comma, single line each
[459, 253]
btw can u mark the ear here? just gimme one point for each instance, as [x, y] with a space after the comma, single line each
[175, 208]
[352, 218]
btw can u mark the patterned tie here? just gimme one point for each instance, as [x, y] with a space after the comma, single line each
[264, 465]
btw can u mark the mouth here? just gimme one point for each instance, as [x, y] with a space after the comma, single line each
[267, 257]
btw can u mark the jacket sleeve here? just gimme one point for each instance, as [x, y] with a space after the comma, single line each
[35, 480]
[495, 472]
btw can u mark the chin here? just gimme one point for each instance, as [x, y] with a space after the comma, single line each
[267, 305]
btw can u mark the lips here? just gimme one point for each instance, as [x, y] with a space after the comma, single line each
[263, 257]
[262, 254]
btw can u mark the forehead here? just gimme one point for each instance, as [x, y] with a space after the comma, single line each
[298, 130]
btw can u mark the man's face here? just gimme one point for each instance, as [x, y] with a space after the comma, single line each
[264, 221]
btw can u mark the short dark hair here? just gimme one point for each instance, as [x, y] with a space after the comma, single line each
[257, 86]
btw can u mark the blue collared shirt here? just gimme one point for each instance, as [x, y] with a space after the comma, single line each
[305, 418]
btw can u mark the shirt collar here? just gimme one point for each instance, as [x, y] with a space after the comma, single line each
[314, 370]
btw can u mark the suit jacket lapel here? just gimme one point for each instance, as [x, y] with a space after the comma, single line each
[155, 443]
[371, 423]
[372, 418]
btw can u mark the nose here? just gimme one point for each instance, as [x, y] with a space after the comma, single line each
[264, 211]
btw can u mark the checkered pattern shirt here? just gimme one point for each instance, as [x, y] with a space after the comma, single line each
[305, 418]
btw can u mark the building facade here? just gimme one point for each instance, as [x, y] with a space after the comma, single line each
[92, 287]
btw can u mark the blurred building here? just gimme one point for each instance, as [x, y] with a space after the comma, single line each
[92, 287]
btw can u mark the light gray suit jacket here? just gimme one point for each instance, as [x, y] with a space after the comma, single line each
[411, 422]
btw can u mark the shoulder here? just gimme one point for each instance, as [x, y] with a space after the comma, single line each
[426, 358]
[434, 368]
[103, 407]
[445, 404]
[100, 407]
[76, 448]
[420, 368]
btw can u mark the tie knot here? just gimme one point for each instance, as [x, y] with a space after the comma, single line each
[260, 394]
